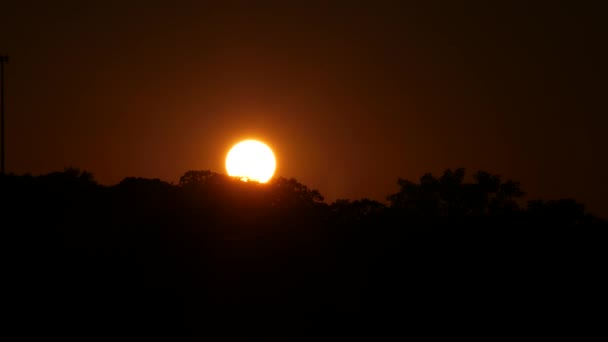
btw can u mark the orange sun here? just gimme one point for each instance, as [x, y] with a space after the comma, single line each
[251, 160]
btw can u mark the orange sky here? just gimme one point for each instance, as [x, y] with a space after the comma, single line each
[350, 98]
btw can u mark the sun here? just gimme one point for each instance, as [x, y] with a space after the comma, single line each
[251, 160]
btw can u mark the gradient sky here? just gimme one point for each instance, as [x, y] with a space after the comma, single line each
[350, 97]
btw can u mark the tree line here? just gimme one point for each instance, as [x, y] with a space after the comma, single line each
[150, 257]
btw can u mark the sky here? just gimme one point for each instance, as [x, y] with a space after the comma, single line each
[349, 96]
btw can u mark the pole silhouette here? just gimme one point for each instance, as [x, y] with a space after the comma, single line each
[3, 59]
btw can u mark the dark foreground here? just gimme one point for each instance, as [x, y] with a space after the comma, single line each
[213, 257]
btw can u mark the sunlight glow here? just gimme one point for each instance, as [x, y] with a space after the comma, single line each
[251, 160]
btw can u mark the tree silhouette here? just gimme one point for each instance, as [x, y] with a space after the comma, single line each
[195, 178]
[450, 196]
[146, 252]
[564, 211]
[357, 211]
[291, 193]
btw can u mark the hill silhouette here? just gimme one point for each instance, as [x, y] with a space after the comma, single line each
[149, 258]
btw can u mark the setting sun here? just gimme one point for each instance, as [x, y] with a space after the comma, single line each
[251, 160]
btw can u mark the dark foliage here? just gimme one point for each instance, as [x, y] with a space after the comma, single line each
[145, 258]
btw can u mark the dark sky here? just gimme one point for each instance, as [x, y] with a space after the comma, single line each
[350, 97]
